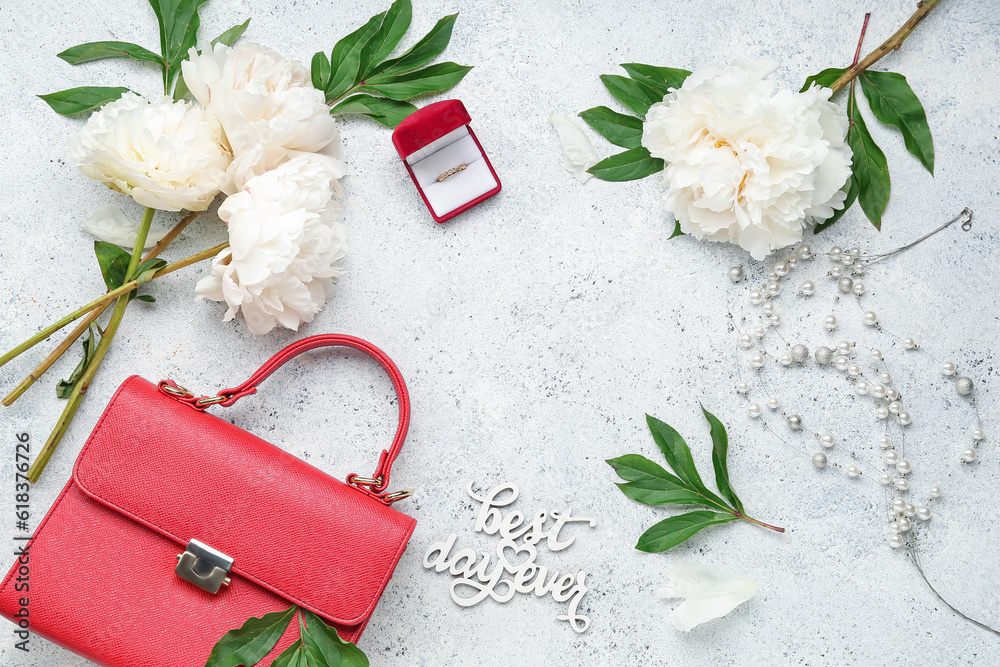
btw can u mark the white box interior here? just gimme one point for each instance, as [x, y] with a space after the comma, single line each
[455, 148]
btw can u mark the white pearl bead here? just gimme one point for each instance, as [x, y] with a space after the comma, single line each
[881, 411]
[948, 368]
[904, 418]
[742, 387]
[772, 275]
[781, 269]
[837, 271]
[899, 504]
[835, 252]
[895, 541]
[935, 492]
[895, 407]
[847, 260]
[768, 308]
[736, 274]
[845, 284]
[859, 288]
[854, 252]
[978, 434]
[785, 359]
[969, 455]
[910, 510]
[841, 363]
[901, 483]
[819, 460]
[909, 343]
[894, 526]
[890, 456]
[854, 370]
[853, 471]
[903, 466]
[892, 393]
[826, 440]
[885, 478]
[876, 354]
[891, 515]
[775, 320]
[773, 403]
[844, 347]
[804, 251]
[904, 524]
[746, 340]
[808, 287]
[878, 390]
[884, 378]
[884, 442]
[757, 360]
[830, 322]
[754, 410]
[774, 288]
[923, 512]
[759, 331]
[756, 297]
[870, 318]
[862, 387]
[792, 262]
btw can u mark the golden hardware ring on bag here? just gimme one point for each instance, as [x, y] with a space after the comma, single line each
[363, 481]
[179, 391]
[452, 171]
[211, 400]
[398, 495]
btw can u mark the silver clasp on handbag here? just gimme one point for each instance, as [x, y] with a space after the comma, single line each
[204, 567]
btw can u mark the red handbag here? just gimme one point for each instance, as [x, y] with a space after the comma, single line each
[103, 576]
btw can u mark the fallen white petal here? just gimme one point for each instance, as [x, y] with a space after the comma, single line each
[109, 223]
[579, 152]
[708, 591]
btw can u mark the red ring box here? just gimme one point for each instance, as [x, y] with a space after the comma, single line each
[433, 141]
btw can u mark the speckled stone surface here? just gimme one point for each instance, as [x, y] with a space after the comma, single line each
[537, 329]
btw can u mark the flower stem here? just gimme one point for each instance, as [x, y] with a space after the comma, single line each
[107, 298]
[760, 523]
[893, 43]
[80, 388]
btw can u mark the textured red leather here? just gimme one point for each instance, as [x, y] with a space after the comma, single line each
[156, 473]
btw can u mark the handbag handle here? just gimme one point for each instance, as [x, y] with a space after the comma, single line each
[375, 485]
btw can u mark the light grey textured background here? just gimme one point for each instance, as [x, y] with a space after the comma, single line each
[536, 330]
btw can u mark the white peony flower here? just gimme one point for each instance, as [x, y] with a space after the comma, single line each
[285, 240]
[745, 165]
[109, 223]
[579, 152]
[708, 591]
[266, 105]
[163, 154]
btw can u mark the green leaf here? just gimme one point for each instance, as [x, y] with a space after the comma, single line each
[251, 642]
[433, 79]
[677, 230]
[84, 53]
[293, 656]
[113, 262]
[628, 166]
[678, 456]
[660, 79]
[676, 529]
[427, 49]
[636, 95]
[852, 194]
[871, 171]
[78, 100]
[650, 484]
[345, 61]
[720, 451]
[179, 22]
[619, 129]
[146, 298]
[230, 36]
[324, 647]
[826, 78]
[320, 71]
[388, 112]
[894, 103]
[394, 25]
[65, 387]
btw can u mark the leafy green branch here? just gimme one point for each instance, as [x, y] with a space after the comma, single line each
[649, 483]
[318, 644]
[359, 77]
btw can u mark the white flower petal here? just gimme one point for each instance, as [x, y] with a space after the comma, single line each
[579, 152]
[109, 223]
[709, 592]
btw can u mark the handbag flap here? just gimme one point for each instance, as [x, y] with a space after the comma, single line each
[289, 527]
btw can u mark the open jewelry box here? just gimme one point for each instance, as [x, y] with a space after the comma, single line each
[445, 160]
